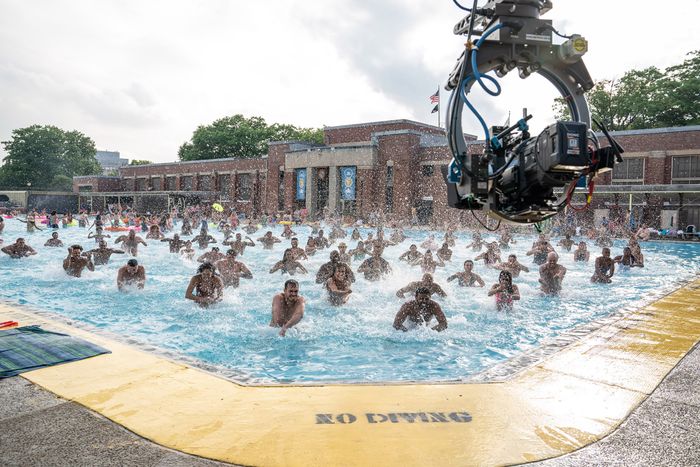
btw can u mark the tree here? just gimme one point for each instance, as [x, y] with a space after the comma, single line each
[140, 162]
[47, 157]
[647, 98]
[241, 137]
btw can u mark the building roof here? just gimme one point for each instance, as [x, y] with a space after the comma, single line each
[383, 122]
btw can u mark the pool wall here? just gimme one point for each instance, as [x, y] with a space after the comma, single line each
[562, 403]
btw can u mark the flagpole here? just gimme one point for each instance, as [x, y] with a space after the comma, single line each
[439, 106]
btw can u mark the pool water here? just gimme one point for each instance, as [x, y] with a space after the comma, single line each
[352, 343]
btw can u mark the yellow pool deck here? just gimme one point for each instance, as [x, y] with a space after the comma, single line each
[570, 399]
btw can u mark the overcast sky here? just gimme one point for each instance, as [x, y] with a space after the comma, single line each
[139, 76]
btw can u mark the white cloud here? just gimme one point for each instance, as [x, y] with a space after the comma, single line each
[139, 77]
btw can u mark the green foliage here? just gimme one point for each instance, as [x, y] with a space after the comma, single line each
[647, 98]
[241, 137]
[47, 156]
[140, 162]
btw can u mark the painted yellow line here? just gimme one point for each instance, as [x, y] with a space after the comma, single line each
[567, 401]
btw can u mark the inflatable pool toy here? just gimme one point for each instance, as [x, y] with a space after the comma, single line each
[217, 207]
[286, 222]
[120, 229]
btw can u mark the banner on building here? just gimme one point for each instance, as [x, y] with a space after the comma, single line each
[348, 176]
[301, 184]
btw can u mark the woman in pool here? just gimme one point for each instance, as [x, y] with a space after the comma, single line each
[338, 286]
[205, 288]
[505, 291]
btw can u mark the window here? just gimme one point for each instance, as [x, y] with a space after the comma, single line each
[245, 188]
[630, 171]
[427, 170]
[224, 183]
[280, 192]
[686, 169]
[186, 183]
[156, 183]
[204, 183]
[141, 184]
[170, 184]
[389, 192]
[84, 188]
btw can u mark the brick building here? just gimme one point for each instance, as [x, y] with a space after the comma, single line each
[396, 167]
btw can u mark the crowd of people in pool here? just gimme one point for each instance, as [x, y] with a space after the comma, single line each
[220, 270]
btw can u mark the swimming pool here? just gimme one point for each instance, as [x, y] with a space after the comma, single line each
[353, 343]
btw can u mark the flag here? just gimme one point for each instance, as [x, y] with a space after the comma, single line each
[436, 109]
[435, 98]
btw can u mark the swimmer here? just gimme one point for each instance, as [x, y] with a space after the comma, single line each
[540, 249]
[444, 253]
[359, 252]
[250, 229]
[211, 256]
[288, 232]
[512, 266]
[30, 221]
[467, 278]
[427, 263]
[131, 274]
[376, 267]
[505, 291]
[566, 242]
[288, 264]
[636, 251]
[101, 254]
[506, 239]
[287, 307]
[397, 236]
[604, 240]
[268, 240]
[130, 242]
[581, 253]
[310, 248]
[551, 275]
[476, 243]
[187, 251]
[344, 255]
[203, 239]
[491, 256]
[76, 261]
[420, 311]
[450, 237]
[355, 235]
[430, 244]
[412, 255]
[19, 249]
[321, 241]
[326, 271]
[297, 251]
[186, 228]
[205, 288]
[604, 268]
[53, 241]
[154, 233]
[174, 244]
[426, 282]
[626, 259]
[232, 270]
[239, 244]
[98, 235]
[2, 224]
[338, 286]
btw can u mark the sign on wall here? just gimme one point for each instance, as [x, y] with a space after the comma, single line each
[348, 177]
[301, 184]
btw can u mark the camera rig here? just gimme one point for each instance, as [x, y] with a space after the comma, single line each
[515, 175]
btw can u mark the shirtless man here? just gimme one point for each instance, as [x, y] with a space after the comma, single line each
[268, 240]
[581, 253]
[288, 264]
[326, 271]
[76, 261]
[250, 229]
[321, 241]
[98, 235]
[430, 244]
[444, 253]
[211, 256]
[626, 259]
[186, 228]
[174, 244]
[540, 249]
[239, 244]
[412, 255]
[154, 233]
[604, 268]
[288, 232]
[297, 251]
[231, 270]
[205, 288]
[512, 266]
[359, 252]
[375, 267]
[476, 243]
[287, 307]
[203, 239]
[397, 236]
[53, 241]
[491, 256]
[566, 242]
[420, 312]
[467, 278]
[130, 242]
[427, 282]
[505, 240]
[131, 274]
[551, 275]
[427, 263]
[310, 248]
[187, 251]
[101, 254]
[344, 255]
[19, 249]
[338, 287]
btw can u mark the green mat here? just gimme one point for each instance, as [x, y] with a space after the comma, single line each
[30, 347]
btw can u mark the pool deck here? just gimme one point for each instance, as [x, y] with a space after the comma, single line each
[571, 399]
